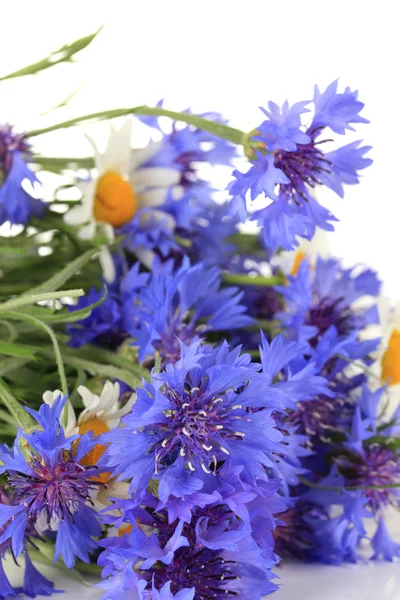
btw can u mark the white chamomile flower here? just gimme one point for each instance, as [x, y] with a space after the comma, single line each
[386, 368]
[289, 261]
[121, 188]
[101, 413]
[104, 408]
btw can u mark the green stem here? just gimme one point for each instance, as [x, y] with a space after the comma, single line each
[35, 298]
[22, 418]
[349, 488]
[236, 136]
[258, 280]
[37, 323]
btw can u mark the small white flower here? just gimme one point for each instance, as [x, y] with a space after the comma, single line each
[386, 366]
[106, 407]
[122, 187]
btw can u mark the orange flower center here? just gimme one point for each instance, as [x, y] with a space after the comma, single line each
[391, 360]
[91, 458]
[124, 529]
[298, 259]
[115, 201]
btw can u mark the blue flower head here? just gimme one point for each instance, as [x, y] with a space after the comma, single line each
[50, 488]
[104, 324]
[34, 583]
[212, 407]
[175, 305]
[291, 163]
[16, 204]
[214, 552]
[316, 299]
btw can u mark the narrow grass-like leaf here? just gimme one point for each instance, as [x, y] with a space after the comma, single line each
[64, 54]
[22, 418]
[55, 282]
[40, 325]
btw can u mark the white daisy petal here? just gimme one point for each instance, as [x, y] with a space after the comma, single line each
[107, 264]
[87, 232]
[77, 215]
[155, 177]
[145, 256]
[118, 152]
[98, 158]
[142, 155]
[150, 198]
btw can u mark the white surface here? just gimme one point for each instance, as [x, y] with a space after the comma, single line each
[375, 581]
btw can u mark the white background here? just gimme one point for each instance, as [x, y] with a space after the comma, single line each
[229, 56]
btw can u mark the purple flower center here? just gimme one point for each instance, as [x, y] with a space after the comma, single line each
[9, 142]
[196, 427]
[327, 312]
[302, 167]
[378, 466]
[53, 490]
[195, 565]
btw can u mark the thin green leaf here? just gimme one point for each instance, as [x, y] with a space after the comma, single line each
[58, 280]
[219, 129]
[12, 332]
[25, 300]
[18, 350]
[76, 315]
[64, 54]
[57, 164]
[258, 280]
[103, 370]
[22, 418]
[32, 320]
[11, 364]
[90, 352]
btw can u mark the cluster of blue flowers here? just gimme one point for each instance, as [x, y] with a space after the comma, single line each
[262, 428]
[291, 163]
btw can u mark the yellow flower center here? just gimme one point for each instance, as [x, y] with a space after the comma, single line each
[115, 201]
[124, 529]
[91, 458]
[298, 259]
[391, 360]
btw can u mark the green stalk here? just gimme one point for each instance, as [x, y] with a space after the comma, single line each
[35, 298]
[39, 324]
[21, 417]
[258, 280]
[236, 136]
[349, 488]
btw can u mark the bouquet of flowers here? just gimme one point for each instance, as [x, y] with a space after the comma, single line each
[185, 400]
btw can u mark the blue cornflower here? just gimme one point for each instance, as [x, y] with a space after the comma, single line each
[383, 544]
[215, 553]
[151, 230]
[211, 406]
[336, 535]
[291, 163]
[51, 487]
[185, 148]
[195, 412]
[124, 582]
[104, 324]
[178, 304]
[16, 204]
[34, 582]
[316, 299]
